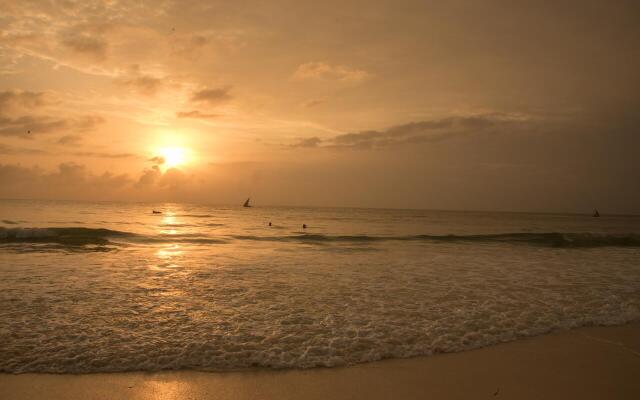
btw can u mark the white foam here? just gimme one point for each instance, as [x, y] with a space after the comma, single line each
[143, 309]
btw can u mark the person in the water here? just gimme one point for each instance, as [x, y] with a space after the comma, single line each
[304, 226]
[269, 223]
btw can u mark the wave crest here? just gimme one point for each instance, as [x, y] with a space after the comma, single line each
[79, 236]
[73, 236]
[548, 239]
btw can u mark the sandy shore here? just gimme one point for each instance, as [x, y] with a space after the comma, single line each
[588, 363]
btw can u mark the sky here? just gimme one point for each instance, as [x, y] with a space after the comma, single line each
[492, 105]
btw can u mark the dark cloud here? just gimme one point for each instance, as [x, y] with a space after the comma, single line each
[86, 123]
[196, 115]
[313, 103]
[69, 139]
[421, 132]
[190, 46]
[85, 44]
[308, 142]
[157, 160]
[33, 121]
[199, 40]
[9, 150]
[32, 125]
[214, 96]
[26, 99]
[144, 84]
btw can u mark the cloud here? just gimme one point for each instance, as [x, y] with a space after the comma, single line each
[86, 38]
[149, 176]
[32, 122]
[69, 180]
[84, 44]
[421, 132]
[212, 96]
[32, 125]
[86, 122]
[9, 150]
[144, 84]
[313, 103]
[327, 72]
[190, 45]
[308, 142]
[196, 115]
[103, 155]
[157, 160]
[171, 178]
[69, 139]
[19, 98]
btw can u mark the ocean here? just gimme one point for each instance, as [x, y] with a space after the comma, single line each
[97, 287]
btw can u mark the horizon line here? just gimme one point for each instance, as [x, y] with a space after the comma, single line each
[239, 205]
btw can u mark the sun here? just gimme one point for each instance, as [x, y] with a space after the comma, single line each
[173, 156]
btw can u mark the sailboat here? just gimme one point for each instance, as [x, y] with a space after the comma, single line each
[595, 213]
[246, 203]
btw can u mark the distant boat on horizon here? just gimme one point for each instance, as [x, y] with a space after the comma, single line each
[246, 203]
[595, 213]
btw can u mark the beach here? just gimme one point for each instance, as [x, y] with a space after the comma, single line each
[319, 200]
[585, 363]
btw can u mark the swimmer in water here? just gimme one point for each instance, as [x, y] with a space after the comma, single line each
[304, 226]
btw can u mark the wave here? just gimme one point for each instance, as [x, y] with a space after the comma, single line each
[74, 237]
[71, 236]
[549, 239]
[79, 236]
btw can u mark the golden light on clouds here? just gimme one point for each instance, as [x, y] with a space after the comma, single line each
[213, 101]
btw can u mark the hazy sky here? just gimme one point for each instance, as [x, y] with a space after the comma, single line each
[503, 105]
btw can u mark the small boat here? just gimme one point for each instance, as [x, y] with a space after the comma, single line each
[157, 212]
[595, 213]
[246, 203]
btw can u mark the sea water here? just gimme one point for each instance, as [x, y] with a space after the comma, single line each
[92, 287]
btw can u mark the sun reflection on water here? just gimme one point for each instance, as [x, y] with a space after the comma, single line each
[169, 251]
[169, 221]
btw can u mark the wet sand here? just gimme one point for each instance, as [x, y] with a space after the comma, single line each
[587, 363]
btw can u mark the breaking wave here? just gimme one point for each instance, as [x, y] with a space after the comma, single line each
[551, 239]
[78, 236]
[74, 236]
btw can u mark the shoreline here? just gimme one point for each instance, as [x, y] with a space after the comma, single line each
[583, 363]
